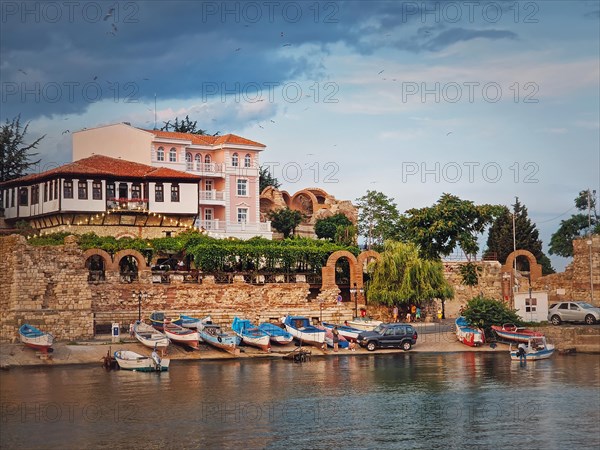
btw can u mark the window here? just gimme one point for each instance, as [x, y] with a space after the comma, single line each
[242, 215]
[159, 193]
[51, 190]
[242, 188]
[208, 214]
[110, 191]
[46, 191]
[68, 189]
[188, 161]
[136, 190]
[12, 197]
[160, 154]
[23, 197]
[198, 160]
[207, 159]
[235, 160]
[97, 190]
[247, 160]
[173, 155]
[564, 306]
[82, 190]
[174, 192]
[208, 185]
[56, 183]
[35, 194]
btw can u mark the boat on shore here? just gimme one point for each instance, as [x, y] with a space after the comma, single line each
[194, 323]
[277, 334]
[342, 341]
[34, 338]
[468, 335]
[149, 336]
[302, 330]
[158, 319]
[537, 348]
[181, 335]
[511, 333]
[128, 360]
[364, 323]
[213, 335]
[250, 334]
[348, 332]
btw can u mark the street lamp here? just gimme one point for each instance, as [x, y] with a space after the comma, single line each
[355, 291]
[140, 295]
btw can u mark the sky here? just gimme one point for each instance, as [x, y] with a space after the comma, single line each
[486, 100]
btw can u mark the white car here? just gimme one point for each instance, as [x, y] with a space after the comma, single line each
[573, 312]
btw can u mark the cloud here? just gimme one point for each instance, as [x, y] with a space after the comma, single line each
[454, 35]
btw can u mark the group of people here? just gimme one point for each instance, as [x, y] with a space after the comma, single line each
[413, 313]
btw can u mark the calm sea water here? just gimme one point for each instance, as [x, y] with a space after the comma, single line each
[407, 400]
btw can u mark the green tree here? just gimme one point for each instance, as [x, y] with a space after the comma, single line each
[500, 238]
[15, 155]
[402, 276]
[186, 126]
[265, 179]
[580, 224]
[378, 219]
[326, 228]
[484, 312]
[285, 220]
[448, 224]
[345, 235]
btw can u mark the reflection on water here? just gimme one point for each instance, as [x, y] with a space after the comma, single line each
[404, 400]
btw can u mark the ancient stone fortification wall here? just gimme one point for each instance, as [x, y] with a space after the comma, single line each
[574, 282]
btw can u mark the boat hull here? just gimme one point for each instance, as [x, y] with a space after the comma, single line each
[349, 333]
[250, 334]
[129, 360]
[212, 335]
[276, 334]
[473, 337]
[149, 336]
[183, 336]
[533, 356]
[36, 339]
[158, 319]
[517, 335]
[301, 330]
[365, 325]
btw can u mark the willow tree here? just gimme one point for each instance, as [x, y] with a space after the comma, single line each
[401, 276]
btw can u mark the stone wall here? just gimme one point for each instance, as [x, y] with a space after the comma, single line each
[574, 282]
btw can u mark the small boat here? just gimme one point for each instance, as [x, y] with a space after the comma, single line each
[468, 335]
[512, 333]
[182, 335]
[158, 319]
[537, 348]
[129, 360]
[213, 335]
[301, 328]
[35, 338]
[250, 334]
[342, 342]
[364, 323]
[277, 334]
[350, 333]
[193, 322]
[149, 336]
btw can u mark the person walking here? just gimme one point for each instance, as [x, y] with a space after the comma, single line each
[336, 338]
[418, 315]
[395, 313]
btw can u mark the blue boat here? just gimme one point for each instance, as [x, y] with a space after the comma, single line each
[251, 334]
[301, 328]
[213, 335]
[157, 320]
[278, 335]
[467, 334]
[36, 339]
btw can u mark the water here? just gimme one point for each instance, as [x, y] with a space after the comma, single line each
[405, 400]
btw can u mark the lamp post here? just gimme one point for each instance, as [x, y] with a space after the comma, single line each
[355, 291]
[140, 295]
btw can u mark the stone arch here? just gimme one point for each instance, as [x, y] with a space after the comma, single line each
[141, 261]
[535, 269]
[319, 194]
[108, 261]
[297, 204]
[266, 205]
[365, 256]
[328, 271]
[287, 199]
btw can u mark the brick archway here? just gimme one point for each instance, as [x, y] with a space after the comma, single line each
[328, 271]
[535, 269]
[141, 261]
[108, 261]
[365, 256]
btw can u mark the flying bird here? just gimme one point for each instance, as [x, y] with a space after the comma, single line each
[114, 27]
[260, 126]
[95, 77]
[448, 133]
[66, 131]
[272, 121]
[380, 72]
[238, 49]
[286, 45]
[22, 71]
[109, 14]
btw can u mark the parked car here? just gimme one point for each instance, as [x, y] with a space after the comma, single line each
[389, 335]
[573, 312]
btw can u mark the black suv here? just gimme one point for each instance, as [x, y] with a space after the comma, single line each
[389, 335]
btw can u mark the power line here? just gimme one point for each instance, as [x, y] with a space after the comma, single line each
[560, 215]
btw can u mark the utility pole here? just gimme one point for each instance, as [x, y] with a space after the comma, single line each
[514, 275]
[590, 242]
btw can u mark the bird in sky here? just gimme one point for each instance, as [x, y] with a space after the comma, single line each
[272, 121]
[238, 49]
[260, 126]
[381, 71]
[22, 71]
[109, 14]
[146, 79]
[114, 27]
[448, 133]
[66, 131]
[95, 77]
[286, 45]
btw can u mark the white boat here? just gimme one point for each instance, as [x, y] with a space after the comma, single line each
[35, 338]
[302, 330]
[181, 335]
[194, 323]
[129, 360]
[364, 323]
[468, 335]
[250, 334]
[537, 348]
[278, 335]
[149, 336]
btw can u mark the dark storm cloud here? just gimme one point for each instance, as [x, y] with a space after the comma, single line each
[60, 57]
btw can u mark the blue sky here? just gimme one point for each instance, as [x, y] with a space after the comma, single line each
[485, 100]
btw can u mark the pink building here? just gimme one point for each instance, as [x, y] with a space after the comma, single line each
[227, 167]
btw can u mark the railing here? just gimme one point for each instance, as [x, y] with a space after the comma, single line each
[193, 166]
[233, 227]
[212, 195]
[255, 278]
[130, 204]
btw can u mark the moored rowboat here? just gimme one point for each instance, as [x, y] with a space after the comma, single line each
[213, 335]
[182, 335]
[149, 336]
[302, 330]
[537, 348]
[277, 334]
[467, 334]
[250, 334]
[512, 333]
[35, 338]
[158, 319]
[129, 360]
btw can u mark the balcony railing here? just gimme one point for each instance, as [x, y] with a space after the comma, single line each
[212, 195]
[130, 204]
[193, 166]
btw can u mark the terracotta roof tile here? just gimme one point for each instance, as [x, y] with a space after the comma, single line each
[199, 139]
[105, 166]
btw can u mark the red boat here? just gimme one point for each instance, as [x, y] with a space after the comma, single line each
[512, 333]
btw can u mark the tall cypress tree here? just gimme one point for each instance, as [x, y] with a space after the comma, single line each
[500, 238]
[15, 156]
